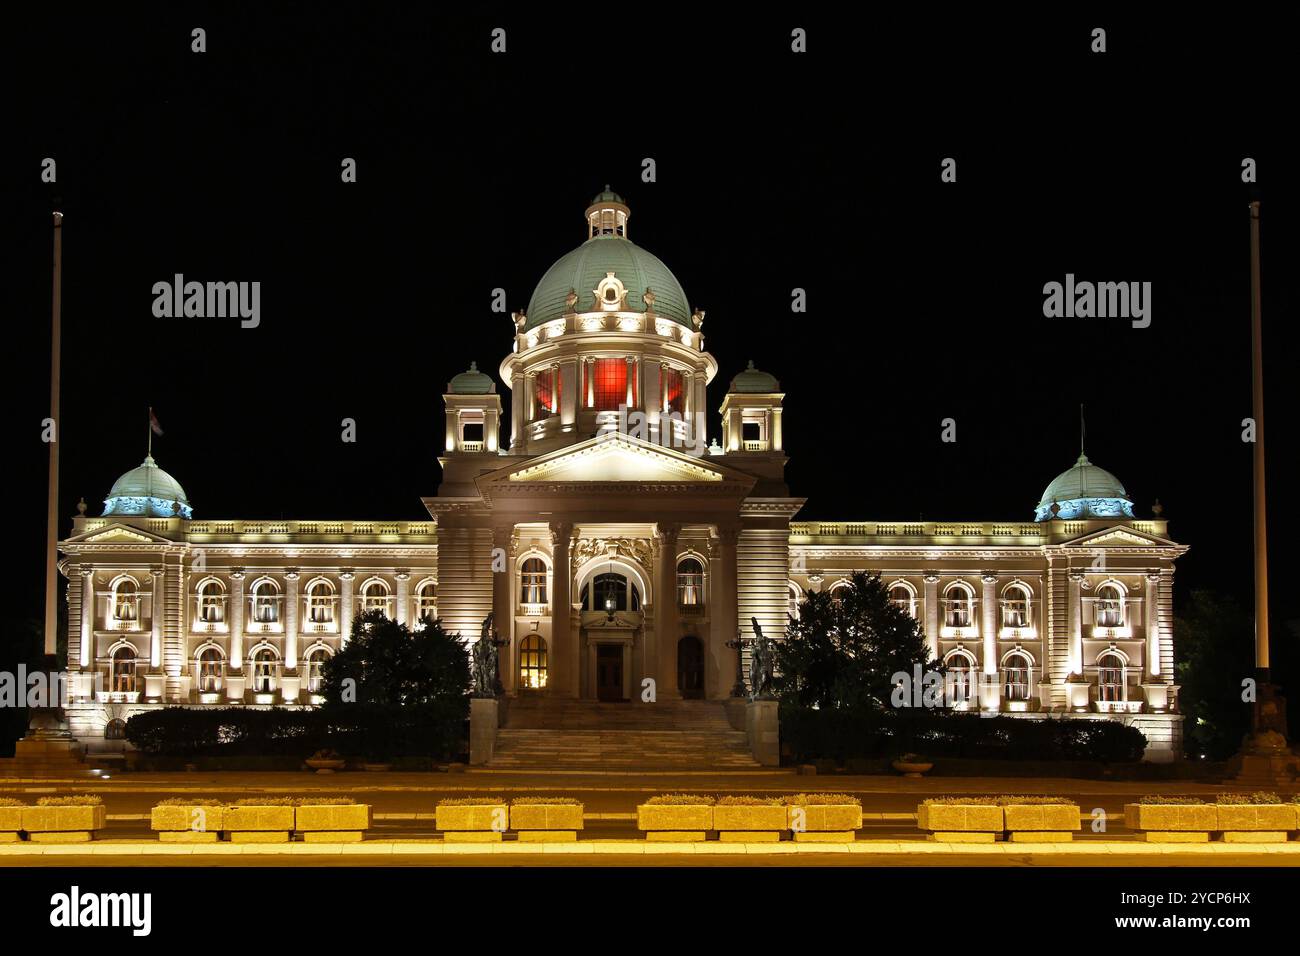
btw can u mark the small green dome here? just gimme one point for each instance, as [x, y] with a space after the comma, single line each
[147, 490]
[607, 195]
[1085, 491]
[753, 380]
[472, 382]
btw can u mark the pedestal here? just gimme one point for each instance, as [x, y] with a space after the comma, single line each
[990, 689]
[1078, 696]
[289, 687]
[483, 722]
[155, 686]
[762, 725]
[235, 687]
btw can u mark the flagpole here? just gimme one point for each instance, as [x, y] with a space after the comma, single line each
[52, 497]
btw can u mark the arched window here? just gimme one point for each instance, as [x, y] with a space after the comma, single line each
[126, 600]
[960, 669]
[794, 601]
[1110, 606]
[1110, 678]
[610, 592]
[1016, 671]
[690, 583]
[211, 670]
[320, 602]
[266, 602]
[532, 662]
[264, 668]
[1015, 606]
[315, 661]
[426, 601]
[532, 582]
[115, 729]
[838, 589]
[212, 603]
[958, 601]
[124, 670]
[901, 598]
[374, 597]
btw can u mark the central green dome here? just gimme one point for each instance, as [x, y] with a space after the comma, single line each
[147, 490]
[582, 269]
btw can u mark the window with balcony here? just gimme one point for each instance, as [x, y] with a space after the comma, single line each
[426, 601]
[126, 600]
[958, 606]
[1109, 606]
[1015, 606]
[211, 670]
[610, 592]
[320, 603]
[266, 602]
[123, 675]
[690, 584]
[1016, 672]
[532, 582]
[212, 603]
[1110, 678]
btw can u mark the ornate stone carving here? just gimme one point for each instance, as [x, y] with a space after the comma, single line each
[636, 549]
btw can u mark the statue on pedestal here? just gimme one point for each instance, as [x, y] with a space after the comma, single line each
[760, 664]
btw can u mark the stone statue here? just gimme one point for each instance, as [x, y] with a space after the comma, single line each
[760, 664]
[484, 657]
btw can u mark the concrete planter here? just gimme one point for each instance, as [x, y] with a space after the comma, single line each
[11, 824]
[191, 823]
[62, 824]
[674, 823]
[825, 823]
[1041, 822]
[259, 824]
[1171, 822]
[482, 823]
[961, 822]
[337, 823]
[1257, 822]
[736, 824]
[546, 822]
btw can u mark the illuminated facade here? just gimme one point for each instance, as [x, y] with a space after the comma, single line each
[613, 543]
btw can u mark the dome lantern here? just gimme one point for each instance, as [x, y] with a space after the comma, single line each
[607, 215]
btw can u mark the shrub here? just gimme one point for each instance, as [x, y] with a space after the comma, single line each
[1022, 801]
[268, 802]
[742, 800]
[820, 799]
[1172, 801]
[189, 802]
[545, 801]
[681, 800]
[472, 802]
[77, 800]
[10, 802]
[961, 801]
[328, 801]
[1259, 796]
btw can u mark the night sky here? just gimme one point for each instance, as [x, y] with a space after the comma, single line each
[774, 171]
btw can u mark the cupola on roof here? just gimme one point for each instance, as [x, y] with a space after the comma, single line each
[1085, 491]
[755, 381]
[471, 382]
[147, 490]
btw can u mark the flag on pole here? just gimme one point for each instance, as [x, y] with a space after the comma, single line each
[153, 423]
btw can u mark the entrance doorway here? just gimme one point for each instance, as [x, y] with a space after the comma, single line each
[609, 672]
[690, 668]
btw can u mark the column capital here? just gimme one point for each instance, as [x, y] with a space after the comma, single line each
[931, 579]
[561, 531]
[988, 577]
[87, 570]
[1076, 576]
[157, 572]
[1153, 576]
[237, 574]
[346, 575]
[291, 574]
[403, 575]
[668, 529]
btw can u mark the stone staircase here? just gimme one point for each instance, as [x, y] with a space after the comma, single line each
[548, 734]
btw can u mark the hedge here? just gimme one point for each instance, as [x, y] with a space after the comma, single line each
[847, 734]
[434, 730]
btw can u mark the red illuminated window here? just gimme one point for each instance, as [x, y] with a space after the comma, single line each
[674, 390]
[609, 383]
[547, 394]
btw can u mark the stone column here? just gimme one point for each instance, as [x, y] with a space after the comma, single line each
[669, 632]
[235, 680]
[345, 607]
[631, 381]
[503, 617]
[563, 638]
[932, 613]
[1152, 625]
[290, 682]
[403, 596]
[723, 615]
[566, 377]
[517, 393]
[157, 603]
[1076, 622]
[87, 648]
[989, 622]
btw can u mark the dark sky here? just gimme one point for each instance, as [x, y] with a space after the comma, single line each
[774, 171]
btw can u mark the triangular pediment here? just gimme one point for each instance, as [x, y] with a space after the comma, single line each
[615, 459]
[1120, 537]
[117, 533]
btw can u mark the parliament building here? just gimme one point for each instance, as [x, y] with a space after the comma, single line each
[614, 537]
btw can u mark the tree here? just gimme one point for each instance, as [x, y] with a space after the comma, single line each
[1216, 652]
[843, 651]
[387, 664]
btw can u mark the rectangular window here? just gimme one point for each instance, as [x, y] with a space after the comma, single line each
[547, 393]
[609, 383]
[674, 391]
